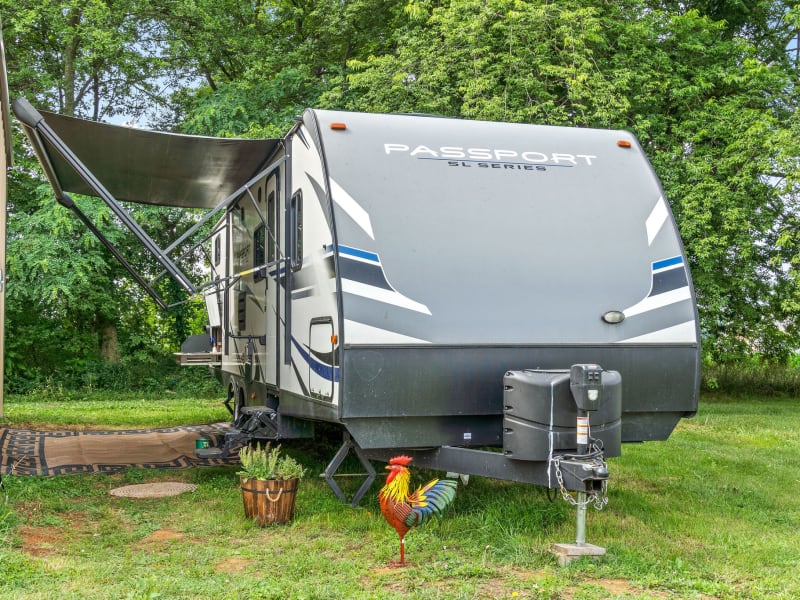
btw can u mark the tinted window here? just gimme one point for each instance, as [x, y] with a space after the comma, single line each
[271, 227]
[260, 252]
[296, 247]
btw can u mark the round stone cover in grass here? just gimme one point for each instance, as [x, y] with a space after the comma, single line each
[159, 489]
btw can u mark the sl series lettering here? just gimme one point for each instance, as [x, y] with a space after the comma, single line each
[495, 165]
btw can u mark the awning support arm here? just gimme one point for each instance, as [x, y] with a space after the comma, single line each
[37, 123]
[223, 205]
[184, 255]
[66, 201]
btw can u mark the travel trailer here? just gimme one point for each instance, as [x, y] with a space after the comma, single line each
[498, 299]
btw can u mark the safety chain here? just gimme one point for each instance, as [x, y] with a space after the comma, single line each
[599, 500]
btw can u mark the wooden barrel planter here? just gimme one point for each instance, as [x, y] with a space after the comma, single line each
[269, 501]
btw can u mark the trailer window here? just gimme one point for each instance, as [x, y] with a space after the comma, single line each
[241, 312]
[259, 252]
[296, 230]
[271, 227]
[242, 258]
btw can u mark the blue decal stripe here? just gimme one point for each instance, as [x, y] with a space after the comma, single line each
[328, 372]
[667, 262]
[370, 256]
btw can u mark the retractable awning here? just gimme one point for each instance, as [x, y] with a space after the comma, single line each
[121, 163]
[139, 165]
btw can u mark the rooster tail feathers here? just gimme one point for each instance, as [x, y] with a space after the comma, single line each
[431, 500]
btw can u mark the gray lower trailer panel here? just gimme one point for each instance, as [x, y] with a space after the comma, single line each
[454, 396]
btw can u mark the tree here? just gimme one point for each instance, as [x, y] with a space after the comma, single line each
[708, 87]
[66, 294]
[264, 62]
[712, 111]
[89, 58]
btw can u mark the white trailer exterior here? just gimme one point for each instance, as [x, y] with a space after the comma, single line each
[387, 272]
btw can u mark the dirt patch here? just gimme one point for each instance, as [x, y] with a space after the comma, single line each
[513, 583]
[390, 570]
[40, 541]
[233, 565]
[162, 535]
[157, 540]
[499, 588]
[616, 588]
[505, 583]
[46, 540]
[30, 511]
[622, 587]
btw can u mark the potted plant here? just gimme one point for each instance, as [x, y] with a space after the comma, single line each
[268, 479]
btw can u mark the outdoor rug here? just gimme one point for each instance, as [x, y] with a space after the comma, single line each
[28, 452]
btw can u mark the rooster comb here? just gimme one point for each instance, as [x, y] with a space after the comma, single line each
[400, 460]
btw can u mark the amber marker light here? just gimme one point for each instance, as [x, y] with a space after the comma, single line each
[338, 126]
[334, 339]
[624, 144]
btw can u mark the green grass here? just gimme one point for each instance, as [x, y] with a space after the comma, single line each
[111, 410]
[711, 513]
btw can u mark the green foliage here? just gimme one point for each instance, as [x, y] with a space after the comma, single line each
[74, 318]
[752, 377]
[263, 462]
[91, 58]
[709, 88]
[265, 62]
[715, 115]
[148, 372]
[59, 301]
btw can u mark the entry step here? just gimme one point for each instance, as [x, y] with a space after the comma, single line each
[185, 359]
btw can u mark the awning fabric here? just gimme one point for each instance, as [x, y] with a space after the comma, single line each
[139, 165]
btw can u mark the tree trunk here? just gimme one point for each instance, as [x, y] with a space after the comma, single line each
[70, 56]
[109, 342]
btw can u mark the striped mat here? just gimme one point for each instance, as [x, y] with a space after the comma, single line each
[29, 452]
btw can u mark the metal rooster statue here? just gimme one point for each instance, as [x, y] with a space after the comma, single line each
[404, 510]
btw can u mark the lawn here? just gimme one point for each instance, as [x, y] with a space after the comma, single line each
[57, 409]
[711, 513]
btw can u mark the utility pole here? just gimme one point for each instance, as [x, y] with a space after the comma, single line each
[5, 162]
